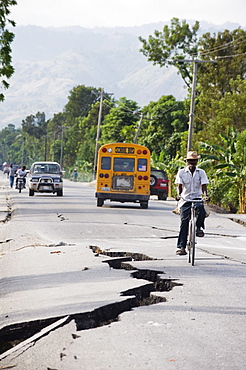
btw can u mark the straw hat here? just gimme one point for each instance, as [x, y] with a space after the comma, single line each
[192, 155]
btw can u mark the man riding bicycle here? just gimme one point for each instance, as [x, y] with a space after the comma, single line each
[192, 184]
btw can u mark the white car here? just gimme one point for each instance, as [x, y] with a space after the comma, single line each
[46, 177]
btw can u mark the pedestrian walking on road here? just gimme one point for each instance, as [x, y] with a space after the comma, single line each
[75, 175]
[192, 184]
[11, 176]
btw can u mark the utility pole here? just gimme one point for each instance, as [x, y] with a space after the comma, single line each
[23, 150]
[137, 132]
[62, 139]
[192, 107]
[98, 131]
[193, 95]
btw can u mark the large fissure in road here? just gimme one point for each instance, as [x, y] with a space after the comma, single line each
[14, 335]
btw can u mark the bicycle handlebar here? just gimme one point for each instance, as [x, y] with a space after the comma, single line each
[193, 200]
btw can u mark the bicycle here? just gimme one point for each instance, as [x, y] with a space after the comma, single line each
[191, 244]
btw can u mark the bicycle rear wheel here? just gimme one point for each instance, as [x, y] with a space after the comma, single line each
[189, 243]
[193, 241]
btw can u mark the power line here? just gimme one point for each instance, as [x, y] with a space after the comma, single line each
[193, 95]
[224, 46]
[230, 56]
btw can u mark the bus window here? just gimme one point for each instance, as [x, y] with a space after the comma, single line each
[124, 164]
[142, 164]
[106, 163]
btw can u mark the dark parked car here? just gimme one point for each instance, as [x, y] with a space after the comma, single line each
[159, 184]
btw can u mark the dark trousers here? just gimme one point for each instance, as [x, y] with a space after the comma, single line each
[185, 218]
[11, 180]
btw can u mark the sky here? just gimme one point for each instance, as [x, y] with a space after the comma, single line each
[125, 13]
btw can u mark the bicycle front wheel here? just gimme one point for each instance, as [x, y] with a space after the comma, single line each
[193, 242]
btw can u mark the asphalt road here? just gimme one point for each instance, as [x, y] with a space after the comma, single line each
[50, 275]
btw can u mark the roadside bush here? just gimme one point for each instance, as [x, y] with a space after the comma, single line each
[224, 193]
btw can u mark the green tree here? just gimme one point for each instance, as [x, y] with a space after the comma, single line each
[88, 127]
[223, 80]
[221, 86]
[231, 108]
[6, 38]
[55, 133]
[166, 123]
[10, 150]
[121, 123]
[219, 115]
[228, 48]
[177, 41]
[35, 126]
[80, 101]
[34, 133]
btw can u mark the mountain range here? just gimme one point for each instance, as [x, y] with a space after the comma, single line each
[49, 62]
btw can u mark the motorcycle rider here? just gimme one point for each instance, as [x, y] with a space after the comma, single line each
[21, 172]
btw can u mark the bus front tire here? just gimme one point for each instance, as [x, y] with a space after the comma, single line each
[144, 205]
[100, 202]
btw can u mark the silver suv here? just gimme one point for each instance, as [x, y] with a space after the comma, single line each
[45, 177]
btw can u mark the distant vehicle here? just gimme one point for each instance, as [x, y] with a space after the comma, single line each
[159, 183]
[46, 177]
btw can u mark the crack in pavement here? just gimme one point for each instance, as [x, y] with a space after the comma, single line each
[15, 336]
[221, 256]
[176, 236]
[37, 245]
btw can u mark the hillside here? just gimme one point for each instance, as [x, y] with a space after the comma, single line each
[49, 62]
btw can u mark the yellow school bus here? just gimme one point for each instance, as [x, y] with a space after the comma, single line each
[123, 174]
